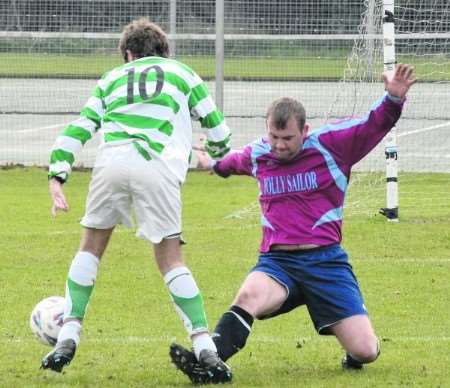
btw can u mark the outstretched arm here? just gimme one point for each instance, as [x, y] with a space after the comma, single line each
[350, 140]
[237, 162]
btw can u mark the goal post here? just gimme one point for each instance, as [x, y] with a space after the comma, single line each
[390, 149]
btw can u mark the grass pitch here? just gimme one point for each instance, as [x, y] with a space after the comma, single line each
[402, 269]
[306, 66]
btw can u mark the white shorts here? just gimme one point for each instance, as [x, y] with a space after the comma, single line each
[121, 180]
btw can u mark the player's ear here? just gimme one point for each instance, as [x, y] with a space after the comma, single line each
[306, 129]
[129, 56]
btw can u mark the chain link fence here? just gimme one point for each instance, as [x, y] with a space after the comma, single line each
[325, 53]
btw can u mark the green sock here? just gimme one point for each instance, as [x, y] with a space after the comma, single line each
[80, 283]
[187, 299]
[78, 298]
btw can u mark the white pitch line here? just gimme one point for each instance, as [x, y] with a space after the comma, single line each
[241, 213]
[401, 261]
[447, 124]
[423, 156]
[257, 339]
[41, 128]
[133, 230]
[370, 260]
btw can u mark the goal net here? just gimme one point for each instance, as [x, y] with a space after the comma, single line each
[422, 38]
[327, 54]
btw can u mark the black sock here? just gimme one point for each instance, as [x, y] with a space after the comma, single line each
[353, 362]
[230, 334]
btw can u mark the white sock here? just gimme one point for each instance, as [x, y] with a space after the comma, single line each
[83, 268]
[70, 330]
[181, 282]
[202, 341]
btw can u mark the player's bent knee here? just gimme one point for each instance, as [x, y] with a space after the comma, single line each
[248, 300]
[245, 297]
[367, 352]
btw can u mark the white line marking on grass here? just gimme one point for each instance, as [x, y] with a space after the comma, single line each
[423, 156]
[243, 212]
[385, 338]
[416, 260]
[227, 227]
[133, 231]
[59, 232]
[447, 124]
[260, 339]
[41, 128]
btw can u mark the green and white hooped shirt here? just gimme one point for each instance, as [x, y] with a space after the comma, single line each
[148, 102]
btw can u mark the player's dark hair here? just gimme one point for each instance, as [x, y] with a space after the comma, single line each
[144, 39]
[281, 110]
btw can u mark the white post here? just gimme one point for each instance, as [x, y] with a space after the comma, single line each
[172, 26]
[371, 33]
[390, 150]
[220, 56]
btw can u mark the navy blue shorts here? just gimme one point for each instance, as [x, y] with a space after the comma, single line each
[322, 279]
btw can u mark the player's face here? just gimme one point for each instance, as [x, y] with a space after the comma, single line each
[286, 143]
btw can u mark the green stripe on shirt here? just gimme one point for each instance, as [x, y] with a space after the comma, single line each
[98, 92]
[212, 119]
[91, 115]
[77, 133]
[61, 156]
[135, 121]
[171, 78]
[117, 136]
[163, 99]
[198, 93]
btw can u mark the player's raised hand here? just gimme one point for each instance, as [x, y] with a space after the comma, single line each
[58, 198]
[402, 80]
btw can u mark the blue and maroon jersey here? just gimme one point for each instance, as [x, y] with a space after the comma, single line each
[302, 200]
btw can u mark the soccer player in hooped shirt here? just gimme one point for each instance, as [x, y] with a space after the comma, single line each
[142, 111]
[302, 178]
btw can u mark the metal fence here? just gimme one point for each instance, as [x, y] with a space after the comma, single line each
[325, 53]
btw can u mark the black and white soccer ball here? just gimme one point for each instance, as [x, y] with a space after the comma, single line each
[47, 318]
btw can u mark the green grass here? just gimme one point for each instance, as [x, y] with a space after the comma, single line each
[402, 268]
[307, 67]
[235, 68]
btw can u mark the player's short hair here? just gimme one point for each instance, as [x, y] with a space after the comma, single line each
[282, 109]
[144, 39]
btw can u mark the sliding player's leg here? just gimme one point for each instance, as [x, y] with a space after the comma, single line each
[337, 307]
[259, 296]
[357, 337]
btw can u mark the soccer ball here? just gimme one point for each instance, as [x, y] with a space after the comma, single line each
[47, 318]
